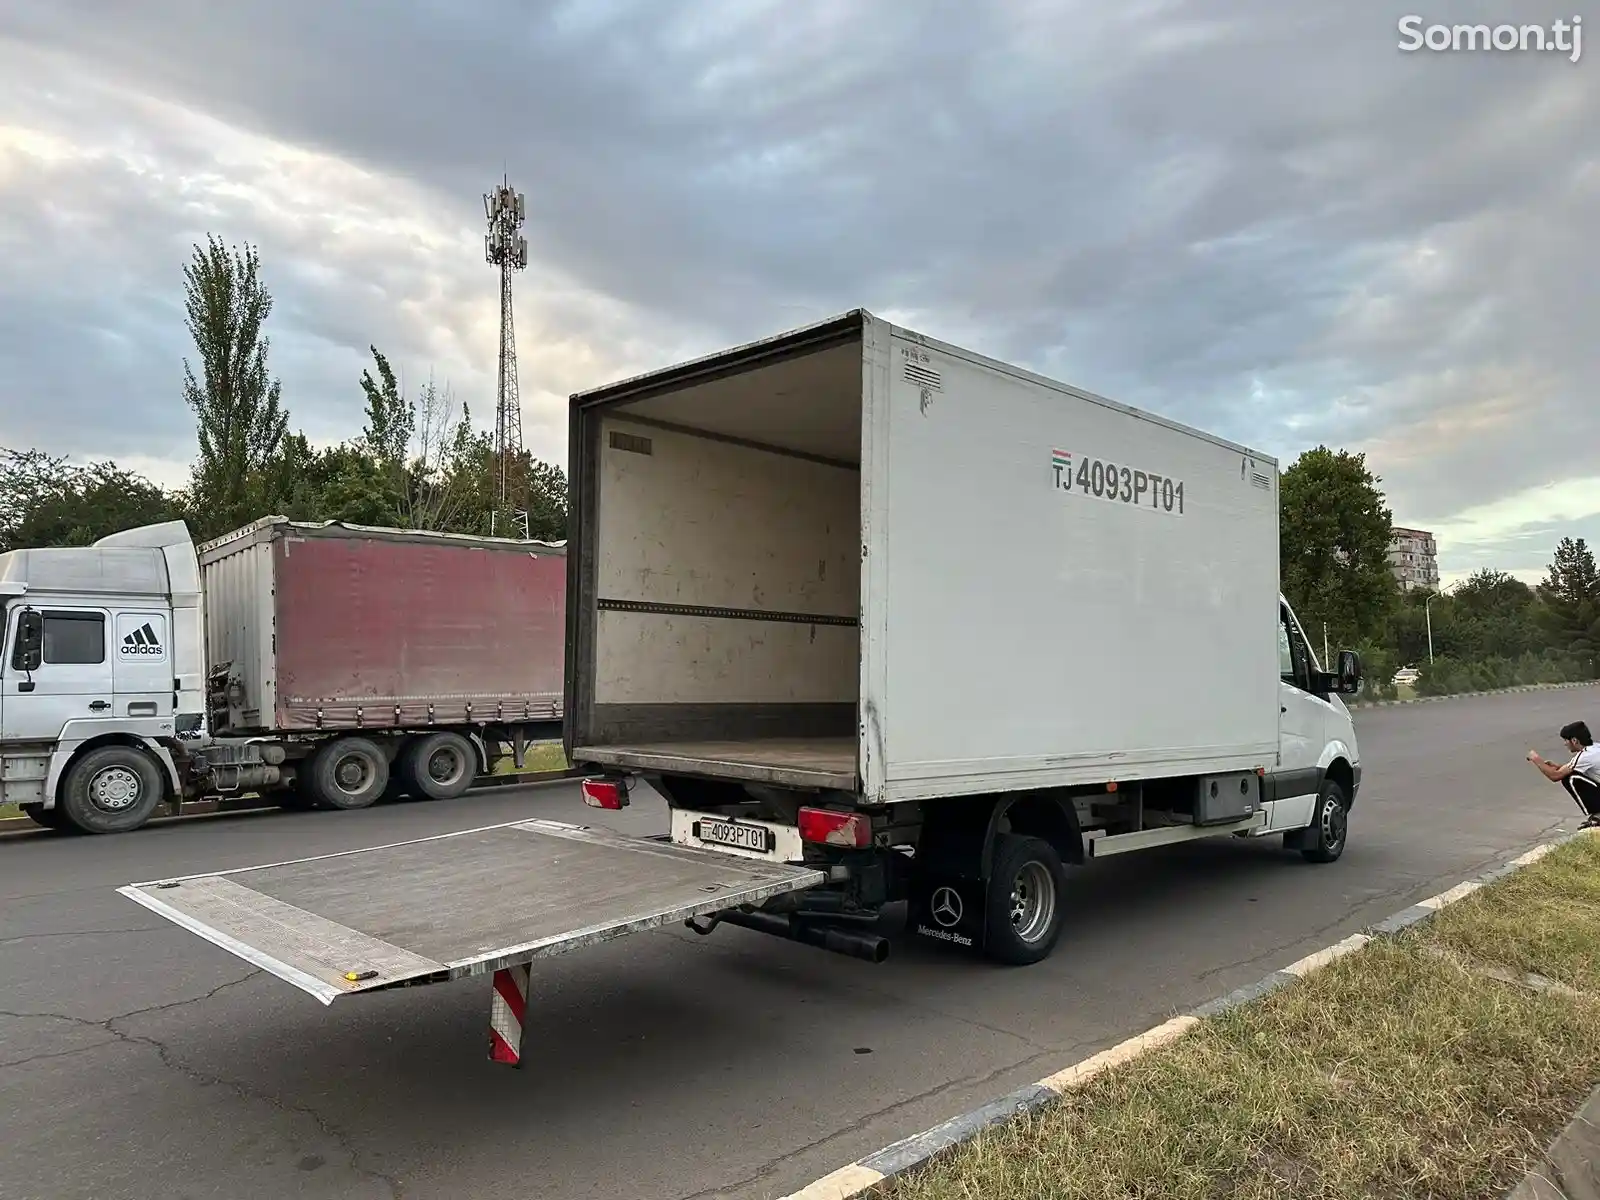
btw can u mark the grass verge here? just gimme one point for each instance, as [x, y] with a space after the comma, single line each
[7, 811]
[1401, 1070]
[545, 757]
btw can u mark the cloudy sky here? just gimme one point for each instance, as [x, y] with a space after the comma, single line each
[1258, 217]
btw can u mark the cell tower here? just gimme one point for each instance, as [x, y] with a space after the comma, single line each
[506, 248]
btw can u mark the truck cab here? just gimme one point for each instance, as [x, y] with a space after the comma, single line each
[101, 675]
[1316, 736]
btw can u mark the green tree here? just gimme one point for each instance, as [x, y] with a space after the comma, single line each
[240, 418]
[45, 500]
[1495, 615]
[391, 419]
[1570, 602]
[1334, 539]
[425, 449]
[355, 487]
[547, 501]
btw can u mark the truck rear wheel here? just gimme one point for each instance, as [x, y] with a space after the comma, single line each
[111, 789]
[349, 772]
[1023, 909]
[437, 766]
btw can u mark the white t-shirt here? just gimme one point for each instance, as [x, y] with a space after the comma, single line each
[1587, 762]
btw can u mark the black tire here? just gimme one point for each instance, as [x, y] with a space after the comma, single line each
[346, 773]
[438, 766]
[1330, 825]
[111, 789]
[1025, 900]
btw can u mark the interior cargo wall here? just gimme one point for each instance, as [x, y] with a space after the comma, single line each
[731, 575]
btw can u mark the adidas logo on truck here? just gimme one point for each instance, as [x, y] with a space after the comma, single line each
[142, 640]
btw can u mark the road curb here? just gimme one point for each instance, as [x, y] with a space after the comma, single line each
[1531, 687]
[867, 1176]
[1569, 1169]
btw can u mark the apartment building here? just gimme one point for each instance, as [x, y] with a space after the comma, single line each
[1414, 559]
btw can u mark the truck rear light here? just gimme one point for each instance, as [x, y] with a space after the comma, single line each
[605, 793]
[830, 828]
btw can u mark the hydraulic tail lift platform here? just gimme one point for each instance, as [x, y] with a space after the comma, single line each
[483, 901]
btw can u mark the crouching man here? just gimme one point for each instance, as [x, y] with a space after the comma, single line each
[1581, 775]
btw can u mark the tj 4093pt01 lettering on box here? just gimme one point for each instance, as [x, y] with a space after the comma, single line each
[1117, 482]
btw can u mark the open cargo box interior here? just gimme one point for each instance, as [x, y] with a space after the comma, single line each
[724, 564]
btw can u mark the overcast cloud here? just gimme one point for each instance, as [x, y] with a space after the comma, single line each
[1257, 217]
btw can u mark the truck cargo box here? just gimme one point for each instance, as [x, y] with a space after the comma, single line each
[332, 626]
[852, 557]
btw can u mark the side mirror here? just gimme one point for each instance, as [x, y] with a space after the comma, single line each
[29, 652]
[1347, 680]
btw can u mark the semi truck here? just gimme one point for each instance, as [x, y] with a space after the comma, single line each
[319, 665]
[888, 624]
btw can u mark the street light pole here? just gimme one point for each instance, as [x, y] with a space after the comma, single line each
[1427, 613]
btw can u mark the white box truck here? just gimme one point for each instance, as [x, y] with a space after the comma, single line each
[883, 620]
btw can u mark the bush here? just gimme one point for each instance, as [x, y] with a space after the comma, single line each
[1378, 666]
[1446, 677]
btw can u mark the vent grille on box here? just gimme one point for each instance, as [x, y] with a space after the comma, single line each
[923, 376]
[631, 442]
[1262, 480]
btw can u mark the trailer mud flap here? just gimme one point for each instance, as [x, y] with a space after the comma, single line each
[950, 910]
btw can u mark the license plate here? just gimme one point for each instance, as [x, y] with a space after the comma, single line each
[731, 833]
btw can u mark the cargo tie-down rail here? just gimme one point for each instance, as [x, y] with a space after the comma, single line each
[498, 898]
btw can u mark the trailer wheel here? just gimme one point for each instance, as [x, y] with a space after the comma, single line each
[1330, 827]
[349, 772]
[438, 766]
[111, 789]
[1024, 903]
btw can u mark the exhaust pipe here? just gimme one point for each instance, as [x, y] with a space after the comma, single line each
[869, 946]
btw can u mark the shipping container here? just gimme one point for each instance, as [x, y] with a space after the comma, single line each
[339, 627]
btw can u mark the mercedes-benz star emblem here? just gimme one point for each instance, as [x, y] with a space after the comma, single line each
[946, 907]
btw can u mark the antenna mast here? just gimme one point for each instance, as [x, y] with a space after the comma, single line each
[506, 248]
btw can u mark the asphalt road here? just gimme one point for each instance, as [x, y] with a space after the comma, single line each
[139, 1061]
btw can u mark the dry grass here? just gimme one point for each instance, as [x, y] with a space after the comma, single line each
[8, 811]
[1391, 1073]
[1541, 920]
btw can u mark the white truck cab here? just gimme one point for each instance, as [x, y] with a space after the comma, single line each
[102, 674]
[1317, 748]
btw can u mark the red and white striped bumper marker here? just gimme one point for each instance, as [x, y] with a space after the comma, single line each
[507, 1010]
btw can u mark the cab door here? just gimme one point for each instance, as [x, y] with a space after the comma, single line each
[72, 682]
[1302, 724]
[142, 671]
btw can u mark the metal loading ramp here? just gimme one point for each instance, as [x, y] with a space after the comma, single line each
[483, 900]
